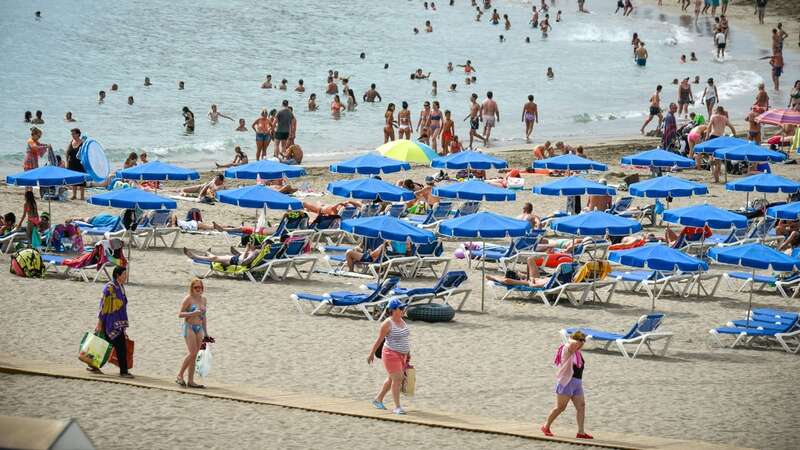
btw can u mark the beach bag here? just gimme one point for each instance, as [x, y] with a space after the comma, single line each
[194, 214]
[202, 365]
[129, 346]
[409, 386]
[94, 350]
[27, 263]
[379, 350]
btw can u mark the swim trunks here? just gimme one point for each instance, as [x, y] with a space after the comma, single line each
[654, 111]
[641, 61]
[488, 121]
[262, 137]
[777, 70]
[529, 117]
[281, 135]
[694, 137]
[474, 124]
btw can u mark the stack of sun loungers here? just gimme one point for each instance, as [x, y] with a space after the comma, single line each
[766, 327]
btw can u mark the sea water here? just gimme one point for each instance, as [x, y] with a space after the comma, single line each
[224, 49]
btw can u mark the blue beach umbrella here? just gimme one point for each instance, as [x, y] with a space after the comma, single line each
[595, 223]
[259, 196]
[754, 256]
[569, 162]
[369, 189]
[667, 186]
[705, 215]
[749, 152]
[158, 171]
[370, 164]
[132, 198]
[468, 160]
[484, 225]
[789, 211]
[764, 182]
[388, 228]
[475, 190]
[574, 185]
[47, 176]
[658, 257]
[266, 170]
[658, 158]
[712, 145]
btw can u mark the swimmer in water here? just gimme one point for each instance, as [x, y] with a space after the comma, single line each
[188, 120]
[239, 158]
[428, 27]
[550, 73]
[490, 113]
[534, 18]
[448, 131]
[507, 22]
[114, 87]
[337, 107]
[449, 66]
[404, 123]
[371, 94]
[67, 117]
[452, 88]
[267, 84]
[558, 16]
[300, 87]
[544, 26]
[389, 125]
[263, 129]
[284, 84]
[181, 85]
[242, 125]
[502, 38]
[147, 81]
[693, 57]
[130, 100]
[434, 88]
[332, 88]
[468, 67]
[214, 115]
[101, 97]
[418, 75]
[424, 122]
[312, 102]
[683, 59]
[530, 116]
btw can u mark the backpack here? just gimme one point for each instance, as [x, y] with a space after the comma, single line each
[27, 263]
[194, 214]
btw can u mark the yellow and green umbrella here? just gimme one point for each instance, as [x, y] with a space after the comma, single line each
[408, 151]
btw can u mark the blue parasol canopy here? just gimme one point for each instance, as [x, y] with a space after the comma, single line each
[369, 189]
[266, 170]
[712, 145]
[764, 182]
[158, 171]
[484, 225]
[259, 196]
[755, 256]
[569, 162]
[574, 185]
[474, 190]
[388, 228]
[705, 215]
[789, 211]
[595, 223]
[131, 198]
[748, 152]
[47, 176]
[667, 186]
[370, 164]
[658, 158]
[658, 257]
[468, 160]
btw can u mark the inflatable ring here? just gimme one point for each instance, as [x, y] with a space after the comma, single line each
[432, 312]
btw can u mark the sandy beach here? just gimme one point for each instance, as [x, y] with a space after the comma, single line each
[495, 363]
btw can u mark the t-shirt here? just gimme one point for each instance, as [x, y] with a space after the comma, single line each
[284, 121]
[761, 3]
[720, 38]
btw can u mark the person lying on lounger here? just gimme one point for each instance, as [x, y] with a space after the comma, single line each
[235, 258]
[357, 254]
[205, 191]
[321, 209]
[530, 278]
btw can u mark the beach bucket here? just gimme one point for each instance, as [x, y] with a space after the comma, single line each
[94, 350]
[94, 160]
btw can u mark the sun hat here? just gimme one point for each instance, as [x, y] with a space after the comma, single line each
[395, 304]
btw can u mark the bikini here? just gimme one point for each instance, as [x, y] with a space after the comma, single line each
[435, 118]
[196, 327]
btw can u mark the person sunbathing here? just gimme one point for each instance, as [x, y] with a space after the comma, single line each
[790, 230]
[207, 190]
[530, 278]
[321, 209]
[357, 254]
[599, 202]
[239, 159]
[236, 258]
[528, 216]
[502, 182]
[280, 185]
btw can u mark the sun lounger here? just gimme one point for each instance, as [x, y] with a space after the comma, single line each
[653, 282]
[430, 257]
[641, 334]
[154, 228]
[372, 304]
[292, 257]
[55, 263]
[787, 286]
[7, 242]
[568, 281]
[439, 212]
[93, 233]
[396, 210]
[507, 256]
[764, 327]
[268, 251]
[467, 208]
[447, 288]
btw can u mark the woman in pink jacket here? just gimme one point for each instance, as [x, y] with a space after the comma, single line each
[569, 384]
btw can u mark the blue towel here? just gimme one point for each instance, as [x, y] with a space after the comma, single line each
[103, 220]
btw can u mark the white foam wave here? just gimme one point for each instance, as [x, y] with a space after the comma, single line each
[586, 117]
[593, 33]
[738, 83]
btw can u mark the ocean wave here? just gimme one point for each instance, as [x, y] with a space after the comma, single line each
[738, 83]
[677, 35]
[586, 117]
[593, 33]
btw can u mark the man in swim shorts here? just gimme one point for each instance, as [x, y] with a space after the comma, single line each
[474, 119]
[655, 109]
[371, 94]
[490, 114]
[284, 118]
[641, 55]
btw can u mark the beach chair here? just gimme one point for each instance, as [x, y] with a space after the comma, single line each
[370, 210]
[466, 209]
[447, 288]
[371, 305]
[9, 241]
[396, 209]
[55, 264]
[206, 269]
[620, 206]
[99, 259]
[562, 275]
[568, 281]
[109, 229]
[430, 257]
[326, 228]
[292, 257]
[400, 265]
[653, 282]
[507, 257]
[156, 227]
[787, 284]
[763, 231]
[596, 250]
[439, 212]
[764, 327]
[642, 334]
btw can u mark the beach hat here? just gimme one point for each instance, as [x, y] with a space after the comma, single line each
[395, 304]
[429, 180]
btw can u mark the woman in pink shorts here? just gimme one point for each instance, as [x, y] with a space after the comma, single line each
[394, 337]
[569, 383]
[694, 137]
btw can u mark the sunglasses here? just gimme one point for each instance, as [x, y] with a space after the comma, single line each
[197, 288]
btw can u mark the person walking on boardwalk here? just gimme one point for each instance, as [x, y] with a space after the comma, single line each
[112, 320]
[393, 338]
[569, 384]
[195, 330]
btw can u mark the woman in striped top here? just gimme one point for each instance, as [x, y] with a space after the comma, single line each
[394, 336]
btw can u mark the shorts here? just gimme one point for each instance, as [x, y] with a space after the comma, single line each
[290, 161]
[281, 135]
[714, 2]
[262, 137]
[572, 389]
[641, 62]
[474, 124]
[694, 137]
[654, 111]
[721, 46]
[187, 225]
[488, 121]
[234, 260]
[754, 134]
[777, 71]
[393, 361]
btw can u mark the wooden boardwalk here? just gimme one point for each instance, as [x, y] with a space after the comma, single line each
[355, 408]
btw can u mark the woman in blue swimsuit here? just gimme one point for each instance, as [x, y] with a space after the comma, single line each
[195, 331]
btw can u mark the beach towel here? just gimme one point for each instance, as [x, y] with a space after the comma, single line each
[103, 220]
[564, 371]
[27, 263]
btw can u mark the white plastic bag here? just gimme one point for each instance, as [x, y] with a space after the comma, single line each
[203, 362]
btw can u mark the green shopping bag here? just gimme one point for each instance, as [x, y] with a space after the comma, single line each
[94, 350]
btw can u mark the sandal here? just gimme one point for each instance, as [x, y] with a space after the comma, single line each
[584, 436]
[94, 370]
[546, 431]
[195, 386]
[180, 382]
